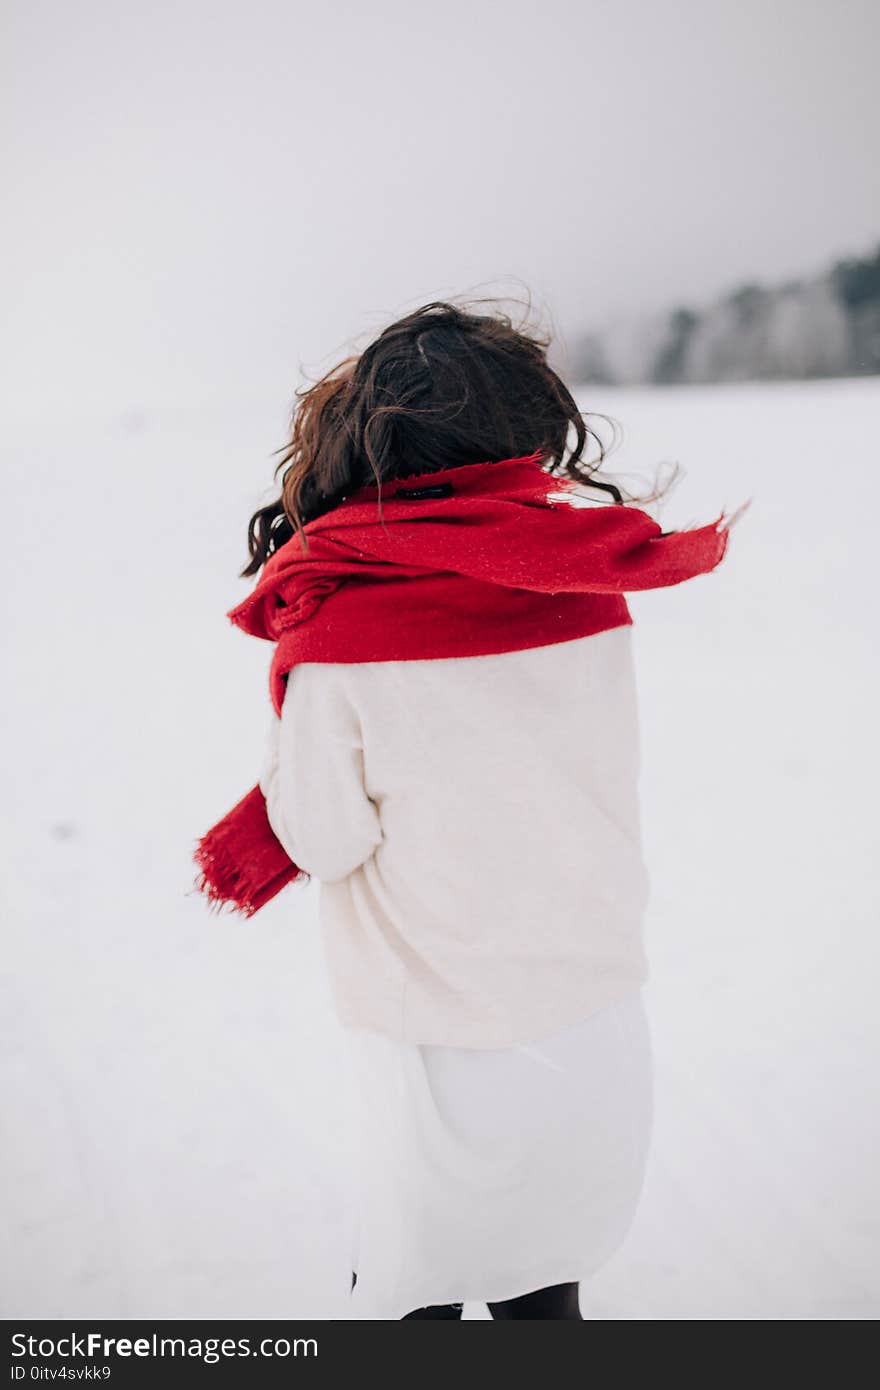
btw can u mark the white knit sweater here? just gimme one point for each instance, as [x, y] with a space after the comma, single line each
[475, 826]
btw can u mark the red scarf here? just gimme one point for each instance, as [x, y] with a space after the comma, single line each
[463, 562]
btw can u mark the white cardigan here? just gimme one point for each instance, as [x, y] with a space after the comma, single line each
[475, 826]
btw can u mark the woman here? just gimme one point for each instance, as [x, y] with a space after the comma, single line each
[454, 754]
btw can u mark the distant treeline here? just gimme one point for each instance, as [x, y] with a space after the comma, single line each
[822, 327]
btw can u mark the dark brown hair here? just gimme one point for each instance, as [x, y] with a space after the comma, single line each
[441, 387]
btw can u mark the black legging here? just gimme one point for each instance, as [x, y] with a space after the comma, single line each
[558, 1301]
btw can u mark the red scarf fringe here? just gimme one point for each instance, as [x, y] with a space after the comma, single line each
[243, 864]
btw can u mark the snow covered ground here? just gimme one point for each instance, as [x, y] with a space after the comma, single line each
[174, 1096]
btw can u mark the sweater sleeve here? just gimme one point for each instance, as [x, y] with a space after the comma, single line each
[313, 777]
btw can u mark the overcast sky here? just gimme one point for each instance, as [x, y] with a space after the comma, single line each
[204, 197]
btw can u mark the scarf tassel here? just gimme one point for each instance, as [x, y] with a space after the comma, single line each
[242, 862]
